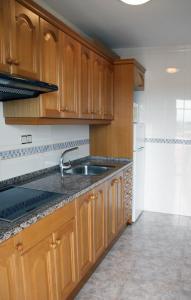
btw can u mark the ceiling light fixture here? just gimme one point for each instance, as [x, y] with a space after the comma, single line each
[172, 70]
[135, 2]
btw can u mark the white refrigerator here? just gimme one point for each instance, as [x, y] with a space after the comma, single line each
[138, 170]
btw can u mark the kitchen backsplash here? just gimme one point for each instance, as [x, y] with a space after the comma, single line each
[165, 107]
[48, 142]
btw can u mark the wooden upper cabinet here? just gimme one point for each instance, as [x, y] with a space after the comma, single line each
[66, 258]
[107, 100]
[25, 42]
[50, 43]
[4, 36]
[97, 86]
[70, 63]
[86, 83]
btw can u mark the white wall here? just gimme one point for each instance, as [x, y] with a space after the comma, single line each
[10, 138]
[166, 110]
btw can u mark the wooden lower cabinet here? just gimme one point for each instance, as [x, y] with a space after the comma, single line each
[84, 225]
[38, 271]
[98, 202]
[120, 203]
[66, 259]
[111, 210]
[47, 260]
[115, 206]
[9, 286]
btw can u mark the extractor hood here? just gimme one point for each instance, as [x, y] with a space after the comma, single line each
[13, 87]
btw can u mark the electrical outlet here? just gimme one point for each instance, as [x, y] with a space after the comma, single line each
[29, 138]
[24, 139]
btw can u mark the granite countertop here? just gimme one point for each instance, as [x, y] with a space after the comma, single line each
[69, 187]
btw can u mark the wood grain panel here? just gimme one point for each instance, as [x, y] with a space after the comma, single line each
[98, 202]
[25, 42]
[70, 67]
[66, 259]
[84, 225]
[117, 138]
[38, 271]
[86, 83]
[5, 26]
[10, 287]
[50, 43]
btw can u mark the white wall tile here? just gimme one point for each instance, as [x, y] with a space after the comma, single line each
[10, 138]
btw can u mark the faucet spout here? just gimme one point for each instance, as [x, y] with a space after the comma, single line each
[67, 165]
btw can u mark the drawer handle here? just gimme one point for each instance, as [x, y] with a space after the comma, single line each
[19, 247]
[53, 245]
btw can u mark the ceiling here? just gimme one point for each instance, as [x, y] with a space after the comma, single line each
[118, 25]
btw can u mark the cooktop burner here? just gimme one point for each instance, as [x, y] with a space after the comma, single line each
[16, 202]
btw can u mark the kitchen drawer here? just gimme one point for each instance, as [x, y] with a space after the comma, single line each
[45, 227]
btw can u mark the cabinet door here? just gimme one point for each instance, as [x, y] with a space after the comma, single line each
[25, 42]
[8, 275]
[98, 202]
[120, 202]
[86, 83]
[111, 210]
[70, 77]
[84, 226]
[107, 101]
[97, 87]
[5, 60]
[50, 67]
[66, 259]
[38, 271]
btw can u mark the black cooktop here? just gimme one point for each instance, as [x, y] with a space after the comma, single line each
[16, 202]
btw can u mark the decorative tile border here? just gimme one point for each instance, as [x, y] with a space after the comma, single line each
[15, 153]
[168, 141]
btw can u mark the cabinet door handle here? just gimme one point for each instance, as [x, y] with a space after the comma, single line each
[16, 62]
[92, 197]
[53, 245]
[9, 61]
[58, 242]
[114, 181]
[19, 247]
[66, 108]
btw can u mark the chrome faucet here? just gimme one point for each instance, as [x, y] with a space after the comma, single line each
[66, 166]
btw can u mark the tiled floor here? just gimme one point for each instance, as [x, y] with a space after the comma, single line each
[151, 260]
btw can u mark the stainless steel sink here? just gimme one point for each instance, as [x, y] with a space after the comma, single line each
[88, 170]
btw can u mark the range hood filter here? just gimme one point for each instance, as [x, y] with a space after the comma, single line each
[13, 88]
